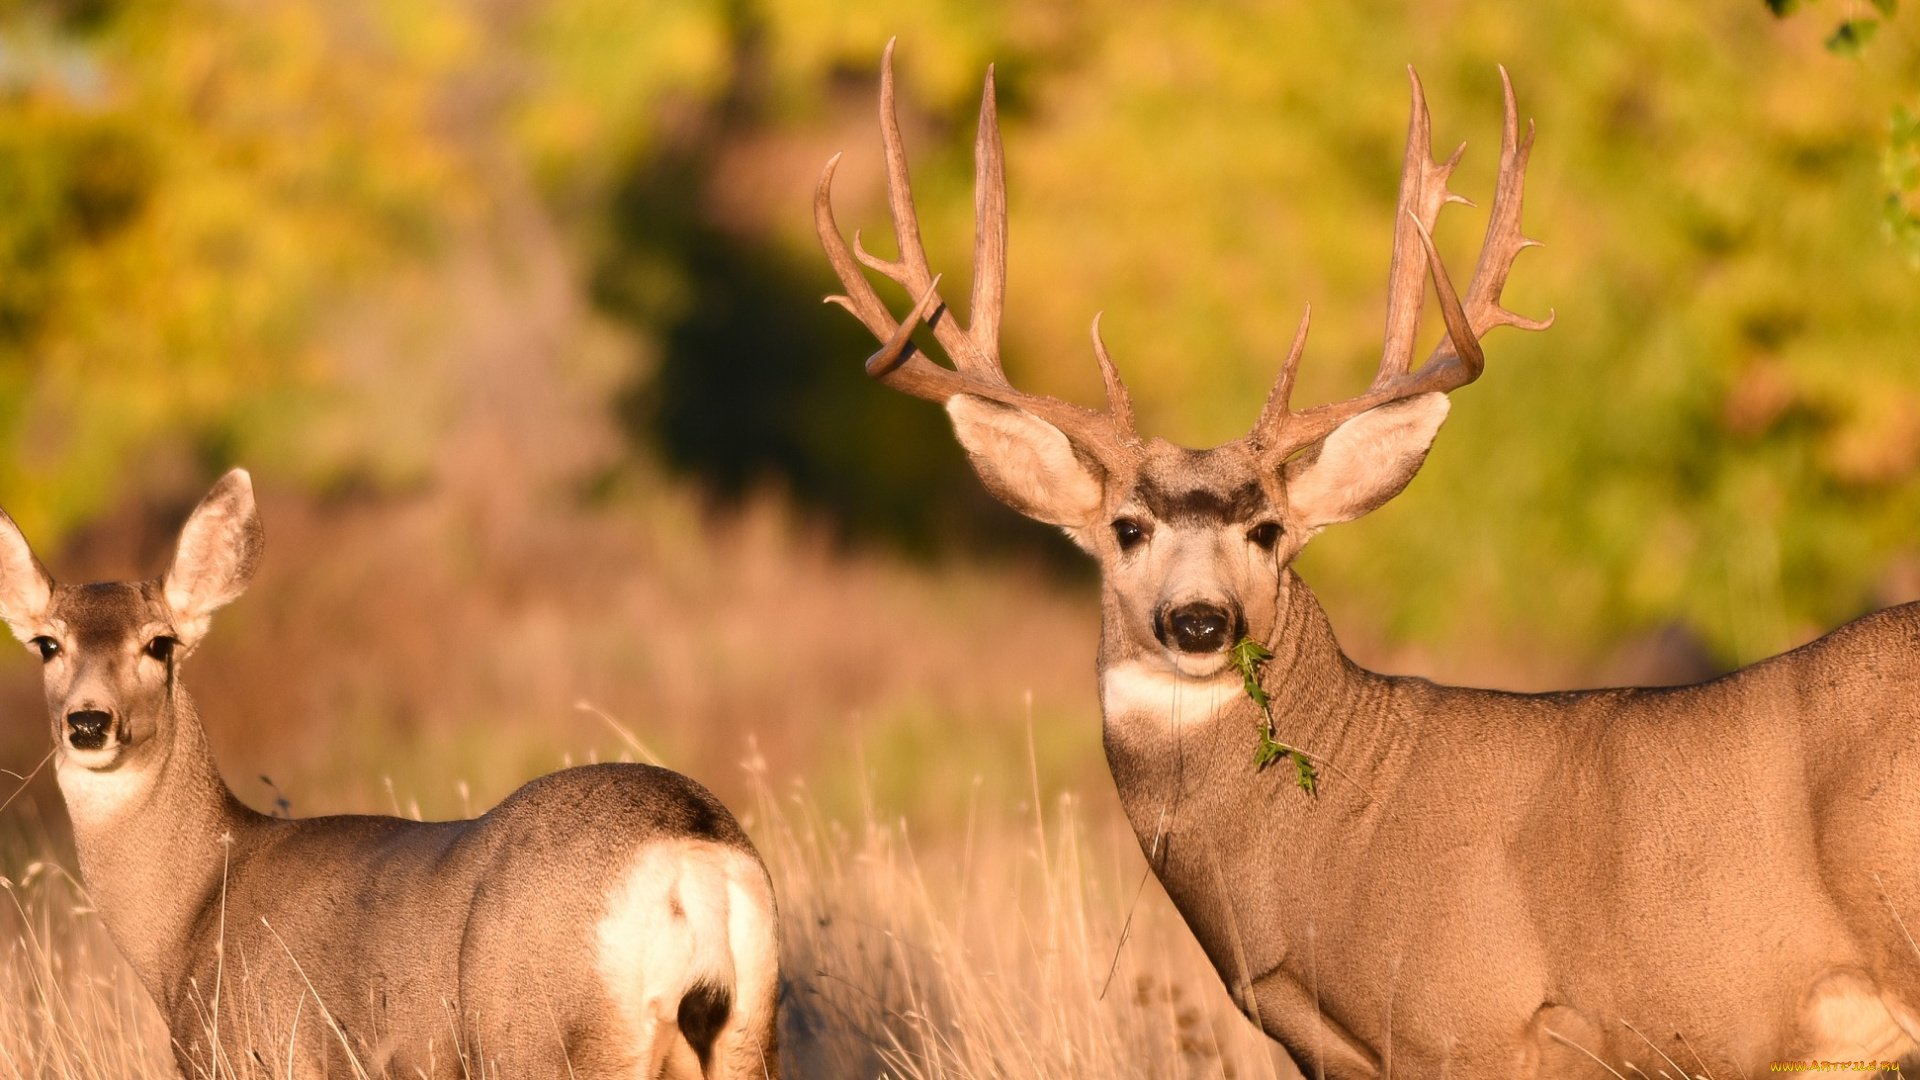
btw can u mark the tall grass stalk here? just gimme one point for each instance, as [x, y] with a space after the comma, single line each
[993, 959]
[999, 955]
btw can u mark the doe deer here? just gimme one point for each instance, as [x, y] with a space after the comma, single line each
[1679, 882]
[610, 920]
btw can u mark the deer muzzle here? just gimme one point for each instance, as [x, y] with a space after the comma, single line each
[87, 729]
[1200, 627]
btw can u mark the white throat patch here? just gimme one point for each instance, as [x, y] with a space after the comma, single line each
[1138, 696]
[95, 797]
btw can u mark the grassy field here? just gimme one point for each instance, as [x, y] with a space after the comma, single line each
[1034, 946]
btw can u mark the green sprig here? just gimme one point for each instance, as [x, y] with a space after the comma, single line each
[1249, 656]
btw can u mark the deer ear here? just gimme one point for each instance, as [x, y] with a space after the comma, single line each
[220, 547]
[1026, 462]
[25, 588]
[1364, 462]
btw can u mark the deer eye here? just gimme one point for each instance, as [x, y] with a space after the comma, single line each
[1266, 534]
[1129, 532]
[161, 648]
[48, 647]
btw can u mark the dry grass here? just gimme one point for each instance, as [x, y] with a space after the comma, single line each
[1036, 952]
[68, 1005]
[997, 955]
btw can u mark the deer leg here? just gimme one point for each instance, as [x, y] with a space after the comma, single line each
[658, 1036]
[1318, 1045]
[1564, 1043]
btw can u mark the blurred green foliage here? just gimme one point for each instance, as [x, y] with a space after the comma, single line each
[1901, 167]
[187, 185]
[1723, 429]
[1900, 164]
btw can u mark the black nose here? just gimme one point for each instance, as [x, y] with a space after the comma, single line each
[1198, 628]
[87, 729]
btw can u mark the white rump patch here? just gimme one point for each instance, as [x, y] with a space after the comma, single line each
[1846, 1019]
[1145, 694]
[689, 913]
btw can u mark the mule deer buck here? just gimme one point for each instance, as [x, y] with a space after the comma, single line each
[1678, 882]
[609, 920]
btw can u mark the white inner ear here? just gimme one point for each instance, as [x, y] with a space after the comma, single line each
[24, 588]
[1364, 462]
[1026, 462]
[219, 550]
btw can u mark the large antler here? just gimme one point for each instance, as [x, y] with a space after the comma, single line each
[1457, 359]
[975, 351]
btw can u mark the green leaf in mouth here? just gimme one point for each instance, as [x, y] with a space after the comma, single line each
[1248, 656]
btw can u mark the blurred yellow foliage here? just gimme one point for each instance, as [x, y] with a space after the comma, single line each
[188, 185]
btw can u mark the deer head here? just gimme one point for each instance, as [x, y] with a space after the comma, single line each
[111, 651]
[1193, 544]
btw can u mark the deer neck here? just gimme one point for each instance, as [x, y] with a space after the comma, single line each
[1320, 700]
[1233, 844]
[155, 839]
[1178, 746]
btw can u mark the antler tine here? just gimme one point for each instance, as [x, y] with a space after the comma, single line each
[911, 270]
[893, 350]
[1106, 436]
[1458, 359]
[1504, 242]
[989, 230]
[1281, 432]
[1469, 361]
[912, 263]
[1423, 191]
[899, 366]
[860, 297]
[897, 362]
[1119, 402]
[1273, 416]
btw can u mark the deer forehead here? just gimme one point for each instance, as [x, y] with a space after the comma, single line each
[108, 615]
[1221, 486]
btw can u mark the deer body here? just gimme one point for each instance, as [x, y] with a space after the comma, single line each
[1515, 851]
[1663, 882]
[604, 921]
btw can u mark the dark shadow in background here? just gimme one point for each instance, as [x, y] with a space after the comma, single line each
[759, 381]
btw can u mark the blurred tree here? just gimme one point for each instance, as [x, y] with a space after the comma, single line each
[754, 381]
[1900, 164]
[757, 380]
[188, 184]
[1723, 429]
